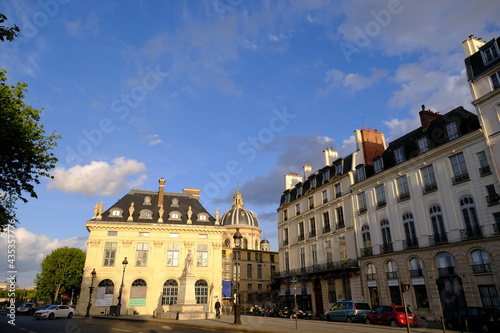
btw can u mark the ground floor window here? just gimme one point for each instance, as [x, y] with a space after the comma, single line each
[421, 296]
[489, 296]
[332, 293]
[170, 292]
[395, 295]
[201, 292]
[104, 295]
[374, 300]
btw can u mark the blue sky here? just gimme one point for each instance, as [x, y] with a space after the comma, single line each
[220, 94]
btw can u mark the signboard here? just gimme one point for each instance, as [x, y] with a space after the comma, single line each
[64, 296]
[104, 296]
[138, 296]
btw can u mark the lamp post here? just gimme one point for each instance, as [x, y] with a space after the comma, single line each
[237, 243]
[91, 289]
[119, 306]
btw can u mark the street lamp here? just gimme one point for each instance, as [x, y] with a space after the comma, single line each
[91, 289]
[237, 243]
[119, 306]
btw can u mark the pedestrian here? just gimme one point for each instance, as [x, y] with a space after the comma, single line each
[217, 309]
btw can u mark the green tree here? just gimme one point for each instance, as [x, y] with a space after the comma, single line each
[25, 150]
[7, 33]
[61, 272]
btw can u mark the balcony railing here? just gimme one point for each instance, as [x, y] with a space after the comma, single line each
[326, 229]
[362, 210]
[460, 178]
[493, 199]
[447, 271]
[386, 248]
[312, 233]
[438, 239]
[381, 203]
[404, 196]
[429, 188]
[341, 225]
[471, 233]
[338, 194]
[285, 242]
[391, 275]
[416, 272]
[411, 243]
[483, 171]
[301, 237]
[481, 268]
[366, 251]
[370, 276]
[337, 266]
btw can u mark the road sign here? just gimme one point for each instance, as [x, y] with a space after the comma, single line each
[294, 279]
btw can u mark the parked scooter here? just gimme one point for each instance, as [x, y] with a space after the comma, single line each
[301, 315]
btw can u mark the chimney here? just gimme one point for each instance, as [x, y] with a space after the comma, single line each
[307, 170]
[195, 192]
[372, 144]
[472, 45]
[330, 156]
[426, 116]
[161, 190]
[291, 180]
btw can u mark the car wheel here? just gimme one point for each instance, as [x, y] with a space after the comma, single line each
[51, 316]
[328, 318]
[348, 320]
[394, 323]
[368, 321]
[70, 315]
[485, 328]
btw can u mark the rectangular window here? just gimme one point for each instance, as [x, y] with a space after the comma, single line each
[256, 257]
[403, 189]
[203, 236]
[360, 174]
[421, 296]
[326, 176]
[249, 271]
[311, 202]
[484, 166]
[314, 254]
[297, 209]
[326, 222]
[328, 250]
[287, 261]
[325, 196]
[249, 256]
[249, 287]
[143, 234]
[338, 169]
[312, 227]
[259, 271]
[378, 165]
[429, 179]
[490, 54]
[342, 248]
[141, 254]
[202, 255]
[495, 80]
[423, 145]
[301, 231]
[302, 256]
[174, 235]
[259, 286]
[489, 296]
[452, 130]
[313, 183]
[459, 168]
[272, 258]
[285, 236]
[110, 254]
[399, 155]
[380, 193]
[285, 215]
[112, 233]
[338, 191]
[173, 255]
[340, 218]
[299, 190]
[362, 203]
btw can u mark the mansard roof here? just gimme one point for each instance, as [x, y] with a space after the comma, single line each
[185, 205]
[475, 64]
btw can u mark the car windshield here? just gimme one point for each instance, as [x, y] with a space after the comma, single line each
[52, 307]
[27, 305]
[362, 306]
[402, 309]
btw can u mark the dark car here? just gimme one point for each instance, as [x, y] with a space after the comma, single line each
[27, 309]
[348, 311]
[477, 319]
[393, 315]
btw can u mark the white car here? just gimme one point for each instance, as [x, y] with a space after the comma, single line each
[55, 311]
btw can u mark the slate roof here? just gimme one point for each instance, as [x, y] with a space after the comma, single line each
[138, 197]
[475, 65]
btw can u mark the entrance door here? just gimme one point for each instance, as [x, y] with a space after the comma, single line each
[318, 297]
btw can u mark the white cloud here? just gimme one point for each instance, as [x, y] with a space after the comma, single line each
[350, 83]
[99, 178]
[31, 249]
[152, 139]
[400, 127]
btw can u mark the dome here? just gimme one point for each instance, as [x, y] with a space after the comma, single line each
[238, 215]
[264, 241]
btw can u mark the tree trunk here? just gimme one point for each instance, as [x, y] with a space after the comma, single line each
[56, 295]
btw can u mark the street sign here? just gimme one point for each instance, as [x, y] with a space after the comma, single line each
[64, 296]
[294, 279]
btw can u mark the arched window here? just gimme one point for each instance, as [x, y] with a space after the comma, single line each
[244, 243]
[146, 214]
[174, 215]
[416, 267]
[138, 293]
[365, 234]
[471, 222]
[391, 269]
[201, 292]
[411, 241]
[386, 236]
[104, 295]
[445, 264]
[202, 217]
[370, 272]
[439, 236]
[481, 262]
[170, 292]
[227, 242]
[116, 212]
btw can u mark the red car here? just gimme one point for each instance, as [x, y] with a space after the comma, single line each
[393, 315]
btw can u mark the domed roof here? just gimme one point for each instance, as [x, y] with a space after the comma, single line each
[238, 215]
[264, 241]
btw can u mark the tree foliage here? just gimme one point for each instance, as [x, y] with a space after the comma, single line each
[7, 33]
[25, 150]
[61, 272]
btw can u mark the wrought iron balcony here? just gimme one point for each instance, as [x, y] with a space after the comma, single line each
[486, 170]
[366, 251]
[338, 194]
[370, 276]
[404, 196]
[341, 225]
[312, 233]
[416, 272]
[391, 275]
[411, 243]
[362, 210]
[285, 242]
[386, 248]
[326, 229]
[301, 237]
[471, 233]
[438, 239]
[381, 203]
[429, 188]
[337, 266]
[481, 268]
[447, 271]
[493, 199]
[460, 178]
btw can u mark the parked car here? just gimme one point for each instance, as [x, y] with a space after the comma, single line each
[348, 311]
[27, 309]
[393, 315]
[478, 319]
[55, 311]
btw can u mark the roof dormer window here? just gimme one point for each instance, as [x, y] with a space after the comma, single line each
[423, 145]
[116, 212]
[146, 214]
[452, 130]
[175, 202]
[495, 80]
[202, 217]
[379, 165]
[399, 155]
[147, 201]
[490, 54]
[360, 173]
[174, 216]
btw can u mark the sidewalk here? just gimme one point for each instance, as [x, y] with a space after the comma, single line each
[260, 324]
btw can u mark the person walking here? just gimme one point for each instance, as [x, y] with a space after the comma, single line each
[217, 309]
